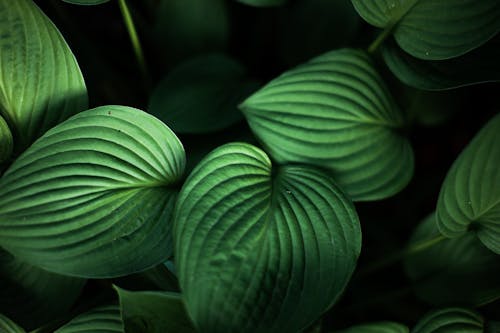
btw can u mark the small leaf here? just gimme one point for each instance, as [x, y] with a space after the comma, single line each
[202, 94]
[154, 312]
[377, 327]
[335, 112]
[450, 320]
[103, 319]
[263, 3]
[470, 195]
[86, 2]
[261, 249]
[6, 141]
[434, 29]
[8, 326]
[99, 199]
[40, 81]
[453, 271]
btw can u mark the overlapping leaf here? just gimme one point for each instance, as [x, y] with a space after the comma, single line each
[103, 319]
[6, 142]
[450, 320]
[261, 248]
[40, 81]
[470, 195]
[8, 326]
[434, 29]
[377, 327]
[93, 197]
[335, 112]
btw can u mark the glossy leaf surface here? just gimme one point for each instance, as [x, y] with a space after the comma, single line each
[377, 327]
[8, 326]
[261, 248]
[6, 141]
[450, 320]
[103, 198]
[103, 319]
[335, 112]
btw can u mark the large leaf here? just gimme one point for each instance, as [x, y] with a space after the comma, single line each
[154, 312]
[202, 95]
[93, 197]
[470, 195]
[450, 320]
[261, 248]
[6, 141]
[32, 296]
[8, 326]
[478, 66]
[377, 327]
[263, 3]
[40, 81]
[453, 271]
[86, 2]
[335, 112]
[434, 29]
[103, 319]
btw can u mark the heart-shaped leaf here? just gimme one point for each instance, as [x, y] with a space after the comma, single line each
[470, 195]
[450, 320]
[6, 141]
[263, 3]
[86, 2]
[261, 248]
[454, 271]
[377, 327]
[99, 199]
[40, 81]
[154, 312]
[434, 29]
[8, 326]
[103, 319]
[335, 112]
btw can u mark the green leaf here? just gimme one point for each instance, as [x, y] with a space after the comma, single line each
[202, 94]
[8, 326]
[103, 319]
[32, 296]
[154, 312]
[335, 112]
[377, 327]
[469, 200]
[40, 81]
[450, 320]
[99, 199]
[478, 66]
[453, 271]
[261, 249]
[263, 3]
[86, 2]
[434, 29]
[6, 141]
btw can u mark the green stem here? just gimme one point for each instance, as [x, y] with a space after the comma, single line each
[380, 39]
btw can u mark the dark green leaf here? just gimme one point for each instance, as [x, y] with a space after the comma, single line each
[86, 2]
[261, 248]
[450, 320]
[470, 195]
[40, 81]
[154, 312]
[263, 3]
[6, 142]
[201, 95]
[335, 112]
[8, 326]
[377, 327]
[99, 199]
[104, 319]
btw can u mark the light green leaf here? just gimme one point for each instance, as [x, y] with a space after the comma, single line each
[261, 248]
[103, 319]
[40, 81]
[154, 312]
[478, 66]
[6, 141]
[32, 296]
[8, 326]
[434, 29]
[335, 112]
[377, 327]
[469, 200]
[86, 2]
[450, 320]
[263, 3]
[202, 94]
[99, 199]
[453, 271]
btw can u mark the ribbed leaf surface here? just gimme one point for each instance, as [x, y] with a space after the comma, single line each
[6, 141]
[104, 319]
[335, 112]
[261, 249]
[450, 320]
[434, 29]
[8, 326]
[40, 81]
[93, 197]
[377, 327]
[470, 195]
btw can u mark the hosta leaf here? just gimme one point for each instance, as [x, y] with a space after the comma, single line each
[40, 81]
[335, 112]
[201, 95]
[93, 197]
[261, 248]
[8, 326]
[478, 66]
[103, 319]
[6, 142]
[32, 296]
[263, 3]
[450, 320]
[377, 327]
[154, 312]
[470, 195]
[86, 2]
[453, 271]
[434, 29]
